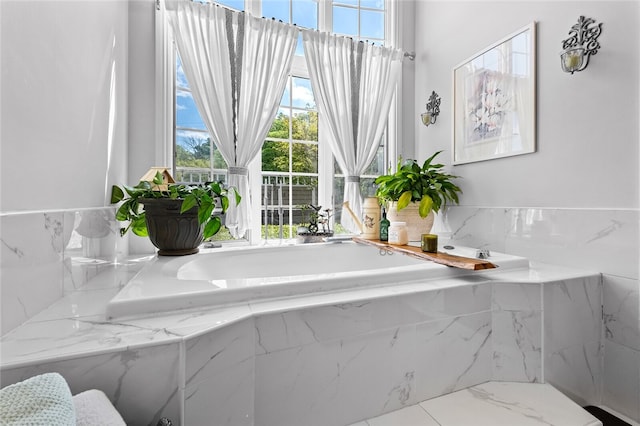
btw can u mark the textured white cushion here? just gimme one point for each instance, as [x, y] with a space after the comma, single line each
[43, 400]
[94, 408]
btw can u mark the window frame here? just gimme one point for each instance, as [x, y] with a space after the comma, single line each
[165, 109]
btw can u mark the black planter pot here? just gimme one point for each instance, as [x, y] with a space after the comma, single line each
[172, 232]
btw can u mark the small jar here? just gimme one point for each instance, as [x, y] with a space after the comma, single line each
[398, 234]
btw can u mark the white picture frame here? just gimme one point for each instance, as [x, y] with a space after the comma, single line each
[494, 100]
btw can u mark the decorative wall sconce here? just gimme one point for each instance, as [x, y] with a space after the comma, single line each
[433, 110]
[582, 43]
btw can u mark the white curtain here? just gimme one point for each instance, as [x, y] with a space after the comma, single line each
[353, 84]
[237, 67]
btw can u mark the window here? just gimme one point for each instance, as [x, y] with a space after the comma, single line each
[296, 168]
[290, 162]
[361, 19]
[290, 152]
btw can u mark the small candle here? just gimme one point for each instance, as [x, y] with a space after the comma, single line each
[572, 61]
[430, 243]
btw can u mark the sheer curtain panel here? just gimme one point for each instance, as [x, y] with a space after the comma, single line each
[237, 67]
[353, 84]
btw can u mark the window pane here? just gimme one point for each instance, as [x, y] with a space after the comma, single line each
[304, 192]
[305, 126]
[376, 167]
[302, 93]
[345, 20]
[372, 24]
[187, 114]
[278, 9]
[305, 158]
[284, 204]
[275, 156]
[193, 162]
[193, 153]
[305, 13]
[372, 4]
[233, 4]
[299, 46]
[192, 149]
[181, 79]
[338, 198]
[368, 187]
[349, 2]
[280, 126]
[286, 95]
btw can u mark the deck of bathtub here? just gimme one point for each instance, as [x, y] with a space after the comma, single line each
[329, 358]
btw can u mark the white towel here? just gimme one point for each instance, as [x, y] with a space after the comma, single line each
[94, 408]
[43, 400]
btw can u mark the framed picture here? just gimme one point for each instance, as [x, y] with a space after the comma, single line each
[494, 97]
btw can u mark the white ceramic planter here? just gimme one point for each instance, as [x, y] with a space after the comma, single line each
[416, 225]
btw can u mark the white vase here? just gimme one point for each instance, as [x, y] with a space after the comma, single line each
[416, 225]
[371, 218]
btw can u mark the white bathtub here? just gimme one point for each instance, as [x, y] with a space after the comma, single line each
[227, 276]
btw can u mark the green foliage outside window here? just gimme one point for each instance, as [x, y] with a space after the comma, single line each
[196, 152]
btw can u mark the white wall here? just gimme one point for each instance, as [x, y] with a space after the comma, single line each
[574, 202]
[144, 146]
[63, 118]
[587, 122]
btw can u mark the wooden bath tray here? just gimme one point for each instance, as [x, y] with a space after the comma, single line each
[442, 258]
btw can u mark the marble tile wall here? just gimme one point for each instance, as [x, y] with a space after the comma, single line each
[601, 240]
[573, 338]
[604, 241]
[45, 255]
[340, 363]
[31, 268]
[219, 377]
[517, 332]
[142, 383]
[622, 345]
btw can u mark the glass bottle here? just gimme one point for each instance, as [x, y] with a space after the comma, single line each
[384, 226]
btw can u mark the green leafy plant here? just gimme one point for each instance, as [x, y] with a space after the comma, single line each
[205, 197]
[428, 185]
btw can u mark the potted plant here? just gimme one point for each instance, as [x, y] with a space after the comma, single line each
[175, 217]
[420, 190]
[318, 227]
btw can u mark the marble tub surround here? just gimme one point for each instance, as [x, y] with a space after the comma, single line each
[45, 255]
[244, 364]
[489, 404]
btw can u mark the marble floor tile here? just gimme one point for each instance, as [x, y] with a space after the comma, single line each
[409, 416]
[491, 404]
[508, 403]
